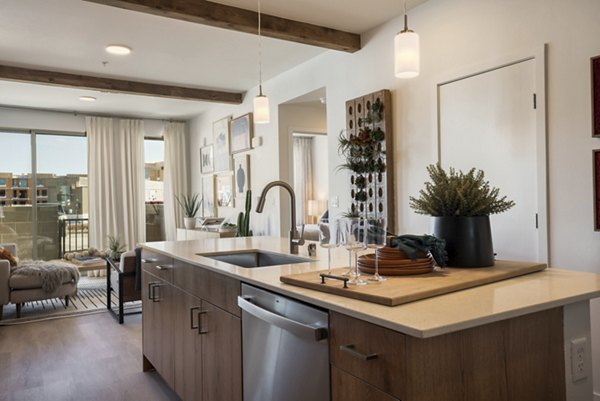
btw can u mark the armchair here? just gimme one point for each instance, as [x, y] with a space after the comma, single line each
[18, 288]
[121, 278]
[5, 277]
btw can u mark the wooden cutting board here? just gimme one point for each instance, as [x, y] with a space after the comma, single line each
[403, 289]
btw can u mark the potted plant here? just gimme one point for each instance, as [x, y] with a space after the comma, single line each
[190, 205]
[115, 248]
[461, 204]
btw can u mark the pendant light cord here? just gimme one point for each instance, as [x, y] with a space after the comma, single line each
[259, 53]
[405, 19]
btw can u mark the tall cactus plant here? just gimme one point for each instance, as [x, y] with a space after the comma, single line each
[243, 221]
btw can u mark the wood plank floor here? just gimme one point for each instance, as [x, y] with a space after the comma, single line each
[78, 358]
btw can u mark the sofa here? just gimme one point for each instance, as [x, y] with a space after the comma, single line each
[18, 289]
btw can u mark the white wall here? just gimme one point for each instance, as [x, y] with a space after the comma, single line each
[457, 35]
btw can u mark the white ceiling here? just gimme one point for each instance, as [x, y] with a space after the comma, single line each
[70, 36]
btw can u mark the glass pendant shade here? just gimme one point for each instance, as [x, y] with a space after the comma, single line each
[261, 109]
[406, 54]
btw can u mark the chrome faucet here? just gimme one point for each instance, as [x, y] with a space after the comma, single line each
[295, 238]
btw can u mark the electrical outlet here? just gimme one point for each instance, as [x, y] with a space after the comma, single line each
[579, 359]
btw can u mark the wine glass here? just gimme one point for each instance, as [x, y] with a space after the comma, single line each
[329, 237]
[352, 229]
[375, 238]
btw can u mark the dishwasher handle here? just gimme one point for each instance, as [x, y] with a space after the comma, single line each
[300, 329]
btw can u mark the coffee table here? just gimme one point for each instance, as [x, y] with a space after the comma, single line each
[97, 266]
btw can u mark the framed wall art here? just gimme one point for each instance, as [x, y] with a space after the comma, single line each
[207, 164]
[596, 170]
[208, 196]
[241, 133]
[596, 97]
[225, 190]
[241, 171]
[222, 159]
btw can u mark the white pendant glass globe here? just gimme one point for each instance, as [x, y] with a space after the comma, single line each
[261, 109]
[406, 55]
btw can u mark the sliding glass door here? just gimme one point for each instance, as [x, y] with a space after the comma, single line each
[16, 185]
[61, 221]
[44, 193]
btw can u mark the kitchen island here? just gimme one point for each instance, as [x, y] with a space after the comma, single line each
[509, 340]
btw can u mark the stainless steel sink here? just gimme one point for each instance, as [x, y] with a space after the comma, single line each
[254, 258]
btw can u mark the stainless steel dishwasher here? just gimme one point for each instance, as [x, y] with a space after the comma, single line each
[285, 348]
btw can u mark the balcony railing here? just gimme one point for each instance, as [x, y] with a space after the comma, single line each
[74, 234]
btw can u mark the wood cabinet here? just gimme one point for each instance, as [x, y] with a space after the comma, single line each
[495, 362]
[221, 355]
[202, 336]
[187, 346]
[157, 337]
[346, 387]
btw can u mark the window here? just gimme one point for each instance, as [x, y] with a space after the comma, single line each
[154, 158]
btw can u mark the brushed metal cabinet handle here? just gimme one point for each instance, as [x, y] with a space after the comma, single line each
[149, 260]
[200, 329]
[150, 290]
[192, 326]
[164, 267]
[351, 349]
[155, 297]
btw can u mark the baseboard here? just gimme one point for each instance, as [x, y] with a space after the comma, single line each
[596, 396]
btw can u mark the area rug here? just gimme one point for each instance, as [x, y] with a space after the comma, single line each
[90, 299]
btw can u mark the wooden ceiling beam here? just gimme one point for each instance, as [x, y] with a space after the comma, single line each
[56, 78]
[242, 20]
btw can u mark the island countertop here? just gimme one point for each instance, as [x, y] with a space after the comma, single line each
[426, 318]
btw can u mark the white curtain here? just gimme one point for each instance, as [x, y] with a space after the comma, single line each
[303, 176]
[116, 181]
[131, 182]
[176, 181]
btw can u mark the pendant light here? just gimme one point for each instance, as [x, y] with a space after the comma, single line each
[406, 51]
[261, 102]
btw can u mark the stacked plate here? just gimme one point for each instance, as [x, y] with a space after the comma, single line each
[394, 262]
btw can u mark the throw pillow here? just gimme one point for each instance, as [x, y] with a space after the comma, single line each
[6, 255]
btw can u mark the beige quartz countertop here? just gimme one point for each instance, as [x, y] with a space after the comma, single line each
[427, 318]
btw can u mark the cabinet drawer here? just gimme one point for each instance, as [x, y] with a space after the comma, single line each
[158, 265]
[345, 387]
[216, 288]
[369, 352]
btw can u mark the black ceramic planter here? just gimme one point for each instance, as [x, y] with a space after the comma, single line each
[468, 240]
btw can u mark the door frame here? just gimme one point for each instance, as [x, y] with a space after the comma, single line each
[537, 54]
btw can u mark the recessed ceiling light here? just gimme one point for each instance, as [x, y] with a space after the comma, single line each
[119, 50]
[87, 98]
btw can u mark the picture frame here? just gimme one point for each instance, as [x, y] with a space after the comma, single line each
[241, 133]
[208, 196]
[207, 161]
[595, 83]
[221, 152]
[241, 180]
[596, 178]
[225, 190]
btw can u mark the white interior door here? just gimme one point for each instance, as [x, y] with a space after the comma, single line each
[488, 121]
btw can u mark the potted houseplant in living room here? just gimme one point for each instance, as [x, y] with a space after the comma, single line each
[190, 205]
[460, 204]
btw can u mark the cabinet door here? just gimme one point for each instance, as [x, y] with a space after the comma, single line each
[370, 352]
[187, 346]
[221, 355]
[157, 325]
[345, 387]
